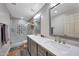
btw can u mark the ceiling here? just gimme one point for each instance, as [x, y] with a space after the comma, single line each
[24, 10]
[65, 8]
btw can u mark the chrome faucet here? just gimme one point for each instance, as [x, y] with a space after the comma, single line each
[63, 42]
[59, 40]
[55, 39]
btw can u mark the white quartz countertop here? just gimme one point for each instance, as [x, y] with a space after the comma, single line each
[54, 47]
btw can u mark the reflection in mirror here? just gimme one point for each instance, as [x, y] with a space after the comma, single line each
[64, 20]
[37, 24]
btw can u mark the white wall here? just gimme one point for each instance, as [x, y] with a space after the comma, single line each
[5, 18]
[4, 15]
[45, 20]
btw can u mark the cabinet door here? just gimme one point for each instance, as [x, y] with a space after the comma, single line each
[77, 26]
[33, 48]
[41, 51]
[69, 26]
[77, 29]
[28, 45]
[71, 29]
[66, 29]
[66, 25]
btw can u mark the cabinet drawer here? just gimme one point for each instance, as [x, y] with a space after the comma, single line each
[33, 48]
[33, 51]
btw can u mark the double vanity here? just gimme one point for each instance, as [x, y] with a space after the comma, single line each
[42, 46]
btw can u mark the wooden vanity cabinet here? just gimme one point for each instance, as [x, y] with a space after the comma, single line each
[29, 45]
[33, 48]
[44, 52]
[41, 51]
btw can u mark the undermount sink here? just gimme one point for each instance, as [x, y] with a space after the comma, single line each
[53, 44]
[43, 39]
[57, 46]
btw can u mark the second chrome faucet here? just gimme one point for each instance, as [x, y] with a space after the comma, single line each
[59, 40]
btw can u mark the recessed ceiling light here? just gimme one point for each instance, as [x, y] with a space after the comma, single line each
[55, 11]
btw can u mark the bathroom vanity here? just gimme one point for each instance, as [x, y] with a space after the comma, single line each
[42, 46]
[36, 49]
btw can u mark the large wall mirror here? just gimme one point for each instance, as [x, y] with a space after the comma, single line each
[64, 19]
